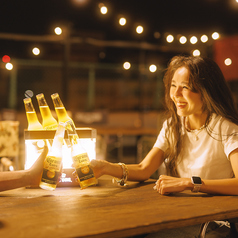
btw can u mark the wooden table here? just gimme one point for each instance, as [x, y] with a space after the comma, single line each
[106, 210]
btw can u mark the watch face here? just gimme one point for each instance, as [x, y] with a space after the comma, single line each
[197, 180]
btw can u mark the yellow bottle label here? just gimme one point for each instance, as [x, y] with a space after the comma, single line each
[51, 170]
[81, 164]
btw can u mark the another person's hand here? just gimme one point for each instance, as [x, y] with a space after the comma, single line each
[36, 169]
[167, 184]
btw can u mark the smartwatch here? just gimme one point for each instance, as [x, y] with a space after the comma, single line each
[197, 182]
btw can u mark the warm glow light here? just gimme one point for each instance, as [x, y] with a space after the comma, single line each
[204, 38]
[103, 10]
[122, 21]
[139, 29]
[6, 59]
[9, 66]
[182, 39]
[215, 36]
[36, 51]
[228, 61]
[33, 151]
[58, 31]
[193, 40]
[126, 65]
[169, 38]
[152, 68]
[196, 53]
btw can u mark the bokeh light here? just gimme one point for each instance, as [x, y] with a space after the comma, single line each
[58, 31]
[103, 10]
[182, 39]
[122, 21]
[196, 52]
[228, 61]
[139, 29]
[9, 66]
[153, 68]
[36, 51]
[193, 40]
[204, 38]
[215, 36]
[6, 59]
[169, 38]
[126, 65]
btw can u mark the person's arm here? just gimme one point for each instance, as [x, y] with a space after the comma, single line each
[16, 179]
[136, 172]
[229, 186]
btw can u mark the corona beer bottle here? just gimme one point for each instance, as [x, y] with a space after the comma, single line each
[48, 121]
[80, 159]
[53, 161]
[60, 109]
[33, 122]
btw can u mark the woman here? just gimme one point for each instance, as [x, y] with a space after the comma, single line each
[23, 178]
[198, 141]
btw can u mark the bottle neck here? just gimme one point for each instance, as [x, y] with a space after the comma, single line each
[57, 101]
[42, 101]
[58, 138]
[29, 106]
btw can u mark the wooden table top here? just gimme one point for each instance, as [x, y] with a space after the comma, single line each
[106, 210]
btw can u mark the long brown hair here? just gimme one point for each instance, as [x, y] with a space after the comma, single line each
[206, 78]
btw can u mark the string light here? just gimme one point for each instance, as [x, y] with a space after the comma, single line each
[182, 39]
[169, 38]
[215, 36]
[193, 40]
[139, 29]
[228, 61]
[103, 10]
[204, 38]
[126, 65]
[58, 31]
[152, 68]
[9, 66]
[36, 51]
[122, 21]
[196, 53]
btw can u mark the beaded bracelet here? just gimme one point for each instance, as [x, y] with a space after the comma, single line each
[122, 182]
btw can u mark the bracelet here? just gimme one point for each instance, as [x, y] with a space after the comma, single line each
[122, 182]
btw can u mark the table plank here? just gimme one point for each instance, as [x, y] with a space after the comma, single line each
[106, 210]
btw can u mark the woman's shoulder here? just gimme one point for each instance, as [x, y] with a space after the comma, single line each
[218, 121]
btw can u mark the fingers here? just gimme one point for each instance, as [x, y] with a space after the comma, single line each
[161, 184]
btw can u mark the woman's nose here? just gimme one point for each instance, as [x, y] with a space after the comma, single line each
[177, 92]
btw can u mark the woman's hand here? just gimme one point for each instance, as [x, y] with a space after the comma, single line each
[98, 167]
[167, 184]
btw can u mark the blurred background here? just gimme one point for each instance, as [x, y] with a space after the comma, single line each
[106, 59]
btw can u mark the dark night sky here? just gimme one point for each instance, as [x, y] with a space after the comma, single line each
[174, 16]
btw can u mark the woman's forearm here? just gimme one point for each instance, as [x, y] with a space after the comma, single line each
[135, 172]
[220, 186]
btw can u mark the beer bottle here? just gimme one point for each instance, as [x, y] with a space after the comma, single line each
[33, 122]
[60, 109]
[48, 121]
[53, 161]
[80, 159]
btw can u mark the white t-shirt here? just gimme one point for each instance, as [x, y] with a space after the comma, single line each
[202, 155]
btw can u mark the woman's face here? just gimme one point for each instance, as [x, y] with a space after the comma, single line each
[188, 103]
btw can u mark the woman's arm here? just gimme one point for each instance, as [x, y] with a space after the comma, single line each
[22, 178]
[229, 186]
[137, 172]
